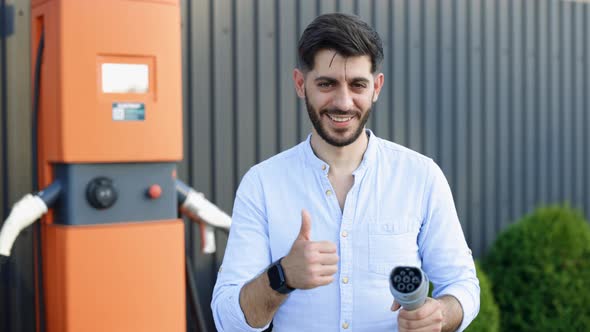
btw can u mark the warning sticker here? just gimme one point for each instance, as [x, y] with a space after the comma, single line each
[128, 111]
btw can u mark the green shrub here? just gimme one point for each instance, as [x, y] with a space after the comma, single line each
[540, 272]
[488, 319]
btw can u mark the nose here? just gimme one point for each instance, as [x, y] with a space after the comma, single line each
[343, 99]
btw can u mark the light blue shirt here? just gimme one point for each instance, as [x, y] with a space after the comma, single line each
[399, 211]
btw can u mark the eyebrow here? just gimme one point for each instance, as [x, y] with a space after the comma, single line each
[359, 80]
[325, 79]
[333, 80]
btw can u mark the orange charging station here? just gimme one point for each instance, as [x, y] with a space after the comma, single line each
[110, 132]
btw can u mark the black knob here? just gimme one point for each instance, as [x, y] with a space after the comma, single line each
[101, 193]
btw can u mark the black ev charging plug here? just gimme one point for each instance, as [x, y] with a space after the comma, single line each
[409, 286]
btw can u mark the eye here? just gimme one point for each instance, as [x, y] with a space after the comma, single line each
[324, 84]
[359, 85]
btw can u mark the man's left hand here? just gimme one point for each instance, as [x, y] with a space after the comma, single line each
[429, 317]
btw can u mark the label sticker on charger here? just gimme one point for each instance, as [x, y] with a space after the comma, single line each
[128, 111]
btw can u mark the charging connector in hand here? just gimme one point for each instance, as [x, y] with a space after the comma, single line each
[409, 286]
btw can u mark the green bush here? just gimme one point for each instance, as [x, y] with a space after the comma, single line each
[488, 319]
[539, 268]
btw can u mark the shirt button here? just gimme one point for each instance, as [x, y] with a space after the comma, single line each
[345, 280]
[323, 167]
[345, 325]
[344, 233]
[329, 192]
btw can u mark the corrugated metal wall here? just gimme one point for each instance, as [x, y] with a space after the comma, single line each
[16, 279]
[495, 91]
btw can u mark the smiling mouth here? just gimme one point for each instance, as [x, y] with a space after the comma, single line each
[337, 118]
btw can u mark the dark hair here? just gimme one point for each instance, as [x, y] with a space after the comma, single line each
[346, 34]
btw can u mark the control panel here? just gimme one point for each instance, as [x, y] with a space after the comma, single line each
[119, 192]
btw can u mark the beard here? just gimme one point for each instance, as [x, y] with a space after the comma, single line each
[339, 138]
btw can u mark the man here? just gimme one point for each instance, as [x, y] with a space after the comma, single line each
[318, 228]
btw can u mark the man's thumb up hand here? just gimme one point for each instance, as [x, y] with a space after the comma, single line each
[305, 231]
[310, 264]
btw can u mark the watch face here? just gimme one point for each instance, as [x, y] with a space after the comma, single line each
[275, 277]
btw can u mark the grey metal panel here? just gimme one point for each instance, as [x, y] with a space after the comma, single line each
[475, 108]
[245, 87]
[516, 109]
[578, 82]
[490, 128]
[200, 146]
[364, 9]
[414, 76]
[286, 57]
[223, 109]
[201, 149]
[445, 87]
[399, 61]
[586, 105]
[18, 95]
[345, 6]
[327, 6]
[548, 98]
[382, 110]
[567, 97]
[266, 85]
[5, 296]
[530, 116]
[542, 88]
[18, 163]
[554, 101]
[183, 170]
[461, 109]
[502, 86]
[430, 75]
[389, 56]
[3, 145]
[3, 112]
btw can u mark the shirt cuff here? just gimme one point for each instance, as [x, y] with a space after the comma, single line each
[238, 314]
[468, 301]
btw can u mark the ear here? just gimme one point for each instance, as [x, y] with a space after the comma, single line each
[377, 85]
[299, 80]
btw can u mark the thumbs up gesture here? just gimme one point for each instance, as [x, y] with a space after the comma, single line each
[309, 264]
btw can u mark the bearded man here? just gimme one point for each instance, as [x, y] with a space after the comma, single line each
[318, 228]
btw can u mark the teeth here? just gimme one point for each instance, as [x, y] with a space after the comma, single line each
[339, 119]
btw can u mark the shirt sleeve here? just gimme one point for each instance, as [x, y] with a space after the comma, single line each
[247, 255]
[446, 258]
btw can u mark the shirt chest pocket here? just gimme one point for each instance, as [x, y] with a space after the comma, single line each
[390, 247]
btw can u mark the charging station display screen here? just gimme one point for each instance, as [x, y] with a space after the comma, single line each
[125, 78]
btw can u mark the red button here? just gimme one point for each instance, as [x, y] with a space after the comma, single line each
[154, 191]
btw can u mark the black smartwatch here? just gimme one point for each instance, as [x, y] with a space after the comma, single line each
[276, 275]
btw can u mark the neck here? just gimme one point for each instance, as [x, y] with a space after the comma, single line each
[341, 159]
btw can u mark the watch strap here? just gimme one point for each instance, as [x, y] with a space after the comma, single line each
[277, 279]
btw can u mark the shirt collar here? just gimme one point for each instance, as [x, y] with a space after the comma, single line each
[311, 160]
